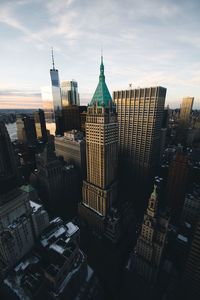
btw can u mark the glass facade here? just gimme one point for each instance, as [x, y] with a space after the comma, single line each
[56, 91]
[69, 93]
[48, 107]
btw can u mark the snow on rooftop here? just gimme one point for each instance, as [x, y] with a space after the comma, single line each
[71, 228]
[35, 206]
[57, 248]
[183, 238]
[188, 225]
[56, 234]
[25, 263]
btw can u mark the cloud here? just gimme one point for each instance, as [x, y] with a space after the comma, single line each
[145, 42]
[22, 93]
[8, 17]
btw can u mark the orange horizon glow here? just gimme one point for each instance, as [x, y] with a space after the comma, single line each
[17, 102]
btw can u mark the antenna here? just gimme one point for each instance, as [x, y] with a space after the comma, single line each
[101, 53]
[52, 56]
[130, 86]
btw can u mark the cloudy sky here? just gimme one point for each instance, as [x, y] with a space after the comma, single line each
[145, 42]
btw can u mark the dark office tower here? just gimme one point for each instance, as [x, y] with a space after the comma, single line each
[99, 190]
[163, 135]
[40, 125]
[49, 176]
[26, 132]
[71, 191]
[8, 166]
[148, 251]
[56, 92]
[177, 184]
[140, 113]
[69, 93]
[71, 118]
[191, 207]
[83, 113]
[191, 275]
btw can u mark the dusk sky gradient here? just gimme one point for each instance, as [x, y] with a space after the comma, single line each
[145, 42]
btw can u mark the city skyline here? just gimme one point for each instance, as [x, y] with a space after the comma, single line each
[145, 44]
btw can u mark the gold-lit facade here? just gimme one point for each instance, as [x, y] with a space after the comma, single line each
[99, 191]
[186, 110]
[100, 188]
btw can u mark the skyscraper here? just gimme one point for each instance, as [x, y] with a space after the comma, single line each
[71, 118]
[21, 220]
[40, 125]
[26, 131]
[56, 92]
[69, 93]
[150, 244]
[8, 165]
[49, 177]
[192, 268]
[48, 107]
[72, 147]
[186, 110]
[99, 190]
[177, 184]
[140, 113]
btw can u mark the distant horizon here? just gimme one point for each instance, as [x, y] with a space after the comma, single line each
[39, 104]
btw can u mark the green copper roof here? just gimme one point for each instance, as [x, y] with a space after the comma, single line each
[27, 188]
[102, 95]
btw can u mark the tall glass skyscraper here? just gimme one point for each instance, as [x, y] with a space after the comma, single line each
[69, 93]
[56, 92]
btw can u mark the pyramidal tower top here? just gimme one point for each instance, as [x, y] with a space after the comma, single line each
[102, 95]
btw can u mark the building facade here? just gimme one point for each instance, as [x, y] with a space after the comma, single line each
[49, 179]
[177, 184]
[140, 113]
[191, 276]
[186, 110]
[56, 93]
[71, 118]
[26, 130]
[21, 221]
[40, 125]
[72, 148]
[69, 93]
[8, 163]
[191, 206]
[48, 107]
[100, 187]
[150, 244]
[55, 269]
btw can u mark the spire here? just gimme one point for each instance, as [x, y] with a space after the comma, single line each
[52, 56]
[102, 68]
[101, 54]
[152, 205]
[102, 95]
